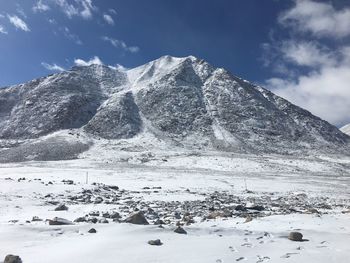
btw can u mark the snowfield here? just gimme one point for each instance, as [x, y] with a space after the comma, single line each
[307, 194]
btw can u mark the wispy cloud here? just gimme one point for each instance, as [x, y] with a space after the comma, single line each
[112, 11]
[312, 74]
[40, 7]
[94, 61]
[108, 19]
[52, 67]
[2, 30]
[82, 8]
[71, 36]
[18, 23]
[121, 44]
[20, 11]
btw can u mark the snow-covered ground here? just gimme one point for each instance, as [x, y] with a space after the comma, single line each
[306, 194]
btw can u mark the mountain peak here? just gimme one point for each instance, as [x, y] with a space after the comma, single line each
[179, 100]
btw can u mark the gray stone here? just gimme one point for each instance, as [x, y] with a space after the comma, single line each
[295, 236]
[180, 230]
[57, 221]
[156, 242]
[92, 231]
[137, 218]
[12, 259]
[61, 207]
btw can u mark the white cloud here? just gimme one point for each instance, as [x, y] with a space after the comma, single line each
[318, 18]
[325, 93]
[82, 8]
[18, 23]
[2, 30]
[40, 7]
[52, 67]
[87, 9]
[312, 75]
[73, 37]
[108, 19]
[307, 53]
[94, 61]
[121, 44]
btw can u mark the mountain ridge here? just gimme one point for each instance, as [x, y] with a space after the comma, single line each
[182, 100]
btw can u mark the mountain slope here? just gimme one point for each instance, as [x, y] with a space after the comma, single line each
[184, 101]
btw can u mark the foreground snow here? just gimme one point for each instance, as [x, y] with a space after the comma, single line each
[264, 239]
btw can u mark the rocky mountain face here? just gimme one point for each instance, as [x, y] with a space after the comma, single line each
[184, 101]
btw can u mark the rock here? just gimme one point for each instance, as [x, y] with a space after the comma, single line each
[156, 242]
[137, 218]
[177, 215]
[159, 222]
[80, 219]
[92, 231]
[114, 187]
[295, 236]
[94, 213]
[36, 219]
[313, 211]
[68, 182]
[180, 230]
[57, 221]
[61, 207]
[12, 259]
[248, 219]
[93, 220]
[103, 221]
[256, 207]
[98, 200]
[240, 208]
[115, 215]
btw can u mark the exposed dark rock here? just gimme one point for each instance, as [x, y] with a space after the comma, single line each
[180, 230]
[36, 219]
[155, 242]
[12, 259]
[295, 236]
[92, 231]
[59, 221]
[240, 208]
[137, 218]
[80, 220]
[256, 207]
[61, 207]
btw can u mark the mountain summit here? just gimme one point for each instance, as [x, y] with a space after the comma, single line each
[182, 101]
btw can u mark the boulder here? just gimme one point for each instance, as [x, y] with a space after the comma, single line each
[57, 221]
[137, 219]
[12, 259]
[61, 207]
[295, 236]
[156, 242]
[180, 230]
[92, 231]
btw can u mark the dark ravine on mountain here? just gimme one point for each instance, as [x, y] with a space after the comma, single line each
[184, 101]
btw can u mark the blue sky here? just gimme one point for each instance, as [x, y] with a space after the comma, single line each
[300, 49]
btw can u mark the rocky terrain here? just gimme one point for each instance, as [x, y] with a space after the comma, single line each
[192, 208]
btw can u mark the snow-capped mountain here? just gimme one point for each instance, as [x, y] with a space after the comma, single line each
[346, 129]
[182, 101]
